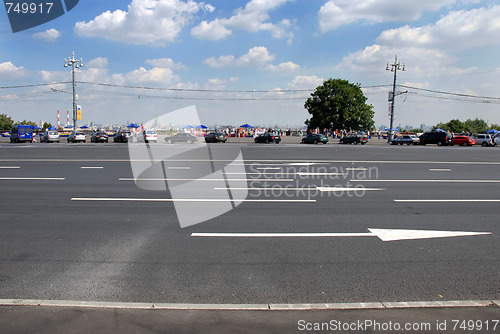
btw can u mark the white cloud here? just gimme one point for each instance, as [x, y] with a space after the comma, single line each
[255, 57]
[156, 74]
[459, 30]
[165, 63]
[153, 22]
[220, 62]
[99, 62]
[283, 67]
[253, 18]
[213, 31]
[430, 50]
[336, 13]
[50, 35]
[9, 70]
[305, 82]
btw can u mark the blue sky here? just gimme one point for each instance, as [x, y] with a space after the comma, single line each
[281, 47]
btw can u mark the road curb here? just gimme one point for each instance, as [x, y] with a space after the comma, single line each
[249, 307]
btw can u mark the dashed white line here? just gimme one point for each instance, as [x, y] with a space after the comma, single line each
[33, 178]
[440, 169]
[91, 167]
[205, 180]
[10, 167]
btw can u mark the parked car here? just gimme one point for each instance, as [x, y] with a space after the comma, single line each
[484, 140]
[99, 137]
[77, 136]
[121, 136]
[21, 133]
[150, 136]
[50, 136]
[216, 137]
[405, 139]
[354, 139]
[181, 137]
[463, 141]
[315, 138]
[436, 137]
[267, 138]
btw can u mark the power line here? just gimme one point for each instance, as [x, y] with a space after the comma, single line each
[454, 94]
[35, 85]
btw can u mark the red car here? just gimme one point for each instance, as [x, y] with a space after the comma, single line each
[463, 141]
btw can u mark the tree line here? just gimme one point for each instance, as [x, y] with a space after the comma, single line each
[6, 123]
[475, 126]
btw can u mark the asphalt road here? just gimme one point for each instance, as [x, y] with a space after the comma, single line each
[57, 244]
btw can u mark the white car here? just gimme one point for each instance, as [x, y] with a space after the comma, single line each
[150, 136]
[50, 136]
[77, 136]
[484, 140]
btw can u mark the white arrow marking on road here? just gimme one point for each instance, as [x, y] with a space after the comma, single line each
[383, 234]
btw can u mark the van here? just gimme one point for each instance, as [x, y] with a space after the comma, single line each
[21, 133]
[484, 140]
[436, 137]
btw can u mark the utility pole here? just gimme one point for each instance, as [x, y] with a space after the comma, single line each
[74, 63]
[393, 68]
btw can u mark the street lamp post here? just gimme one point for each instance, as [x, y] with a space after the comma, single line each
[393, 68]
[74, 63]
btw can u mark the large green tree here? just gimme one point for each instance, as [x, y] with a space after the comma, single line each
[5, 122]
[339, 104]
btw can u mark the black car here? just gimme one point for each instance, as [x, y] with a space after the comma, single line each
[267, 138]
[436, 137]
[181, 138]
[216, 137]
[354, 139]
[315, 138]
[121, 136]
[99, 137]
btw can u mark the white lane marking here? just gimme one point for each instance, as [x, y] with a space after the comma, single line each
[323, 189]
[261, 307]
[440, 169]
[205, 180]
[9, 167]
[91, 167]
[269, 168]
[436, 181]
[180, 168]
[258, 173]
[270, 189]
[34, 178]
[358, 168]
[349, 189]
[280, 235]
[382, 234]
[318, 174]
[303, 164]
[447, 200]
[96, 199]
